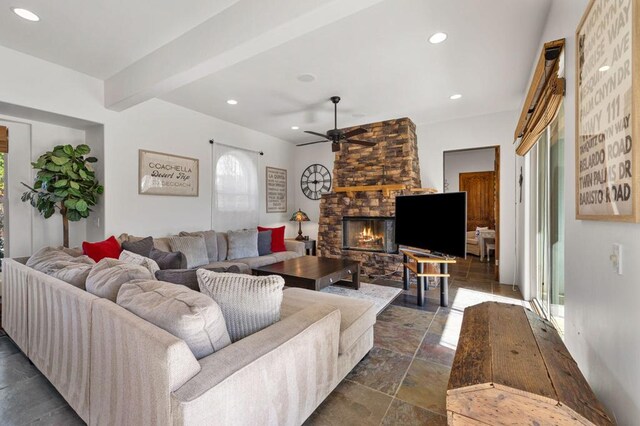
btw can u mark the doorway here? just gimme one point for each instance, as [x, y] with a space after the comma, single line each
[476, 171]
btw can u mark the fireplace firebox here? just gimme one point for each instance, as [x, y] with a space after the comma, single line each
[367, 233]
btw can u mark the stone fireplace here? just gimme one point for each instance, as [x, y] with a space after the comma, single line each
[392, 161]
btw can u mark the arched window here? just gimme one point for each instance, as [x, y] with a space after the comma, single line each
[235, 190]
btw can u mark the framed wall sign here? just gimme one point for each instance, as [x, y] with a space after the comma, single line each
[608, 111]
[276, 181]
[167, 174]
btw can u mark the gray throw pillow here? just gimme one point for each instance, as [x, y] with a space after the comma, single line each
[242, 244]
[187, 314]
[168, 260]
[136, 259]
[108, 275]
[264, 243]
[194, 249]
[210, 240]
[248, 303]
[142, 247]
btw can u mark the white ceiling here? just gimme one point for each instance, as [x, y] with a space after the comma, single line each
[377, 59]
[380, 63]
[100, 37]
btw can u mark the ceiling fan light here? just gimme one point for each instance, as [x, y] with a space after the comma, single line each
[294, 127]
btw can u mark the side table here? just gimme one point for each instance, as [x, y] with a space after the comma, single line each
[309, 246]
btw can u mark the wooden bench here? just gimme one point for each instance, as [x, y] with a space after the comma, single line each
[511, 367]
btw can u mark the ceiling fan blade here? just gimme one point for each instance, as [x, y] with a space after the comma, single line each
[355, 132]
[311, 143]
[317, 134]
[364, 143]
[335, 147]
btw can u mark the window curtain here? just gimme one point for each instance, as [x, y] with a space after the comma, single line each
[235, 189]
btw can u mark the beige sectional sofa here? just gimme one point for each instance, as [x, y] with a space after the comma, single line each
[116, 368]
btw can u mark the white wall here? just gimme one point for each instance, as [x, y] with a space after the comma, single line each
[157, 125]
[601, 312]
[27, 229]
[476, 132]
[456, 162]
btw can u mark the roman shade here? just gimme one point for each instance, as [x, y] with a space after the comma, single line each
[4, 140]
[543, 98]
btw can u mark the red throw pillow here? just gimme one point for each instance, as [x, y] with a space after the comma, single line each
[98, 251]
[277, 238]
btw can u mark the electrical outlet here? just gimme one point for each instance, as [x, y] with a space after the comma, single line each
[616, 258]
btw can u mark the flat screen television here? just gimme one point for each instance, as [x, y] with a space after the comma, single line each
[434, 222]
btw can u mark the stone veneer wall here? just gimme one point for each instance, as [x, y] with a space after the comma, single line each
[393, 160]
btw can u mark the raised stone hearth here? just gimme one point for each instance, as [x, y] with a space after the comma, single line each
[393, 160]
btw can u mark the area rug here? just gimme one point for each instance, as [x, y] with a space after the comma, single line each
[380, 295]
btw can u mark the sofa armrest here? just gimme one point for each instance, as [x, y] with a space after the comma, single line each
[297, 246]
[276, 376]
[134, 368]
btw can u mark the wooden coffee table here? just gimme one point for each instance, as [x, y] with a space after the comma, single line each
[313, 273]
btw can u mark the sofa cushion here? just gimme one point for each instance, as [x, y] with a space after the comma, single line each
[187, 314]
[142, 247]
[136, 259]
[210, 240]
[357, 316]
[264, 242]
[277, 238]
[108, 275]
[242, 243]
[285, 255]
[194, 249]
[188, 277]
[60, 264]
[101, 249]
[248, 303]
[256, 262]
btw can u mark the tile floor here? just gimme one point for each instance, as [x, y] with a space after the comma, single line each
[402, 381]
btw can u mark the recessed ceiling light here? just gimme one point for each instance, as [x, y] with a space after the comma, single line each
[456, 96]
[437, 38]
[604, 68]
[294, 127]
[306, 78]
[232, 102]
[26, 14]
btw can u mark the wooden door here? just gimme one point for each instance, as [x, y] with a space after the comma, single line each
[480, 189]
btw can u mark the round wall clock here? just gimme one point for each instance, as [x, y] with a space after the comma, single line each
[315, 181]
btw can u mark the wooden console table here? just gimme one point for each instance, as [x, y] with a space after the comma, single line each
[415, 262]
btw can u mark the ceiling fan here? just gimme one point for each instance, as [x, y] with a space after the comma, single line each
[337, 136]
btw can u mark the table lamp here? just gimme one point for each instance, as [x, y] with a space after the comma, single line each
[299, 217]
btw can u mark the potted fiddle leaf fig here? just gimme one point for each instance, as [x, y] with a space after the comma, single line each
[65, 182]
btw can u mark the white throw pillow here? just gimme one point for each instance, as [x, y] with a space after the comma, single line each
[187, 314]
[106, 278]
[136, 259]
[248, 303]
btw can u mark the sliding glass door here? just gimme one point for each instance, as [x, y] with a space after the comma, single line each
[548, 162]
